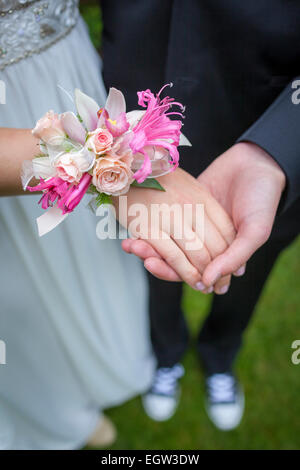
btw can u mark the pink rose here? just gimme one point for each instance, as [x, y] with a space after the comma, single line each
[49, 129]
[71, 166]
[112, 175]
[100, 141]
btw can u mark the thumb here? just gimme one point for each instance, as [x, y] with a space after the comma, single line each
[249, 238]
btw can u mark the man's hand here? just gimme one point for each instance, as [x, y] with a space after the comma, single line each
[248, 183]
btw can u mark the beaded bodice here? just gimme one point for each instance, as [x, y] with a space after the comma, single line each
[31, 26]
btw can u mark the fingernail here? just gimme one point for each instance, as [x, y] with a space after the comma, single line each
[240, 271]
[200, 286]
[210, 290]
[223, 289]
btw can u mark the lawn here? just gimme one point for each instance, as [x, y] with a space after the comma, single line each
[270, 380]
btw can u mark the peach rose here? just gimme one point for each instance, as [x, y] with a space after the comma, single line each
[71, 166]
[49, 129]
[100, 141]
[112, 176]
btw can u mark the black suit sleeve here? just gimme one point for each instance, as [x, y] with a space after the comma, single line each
[277, 131]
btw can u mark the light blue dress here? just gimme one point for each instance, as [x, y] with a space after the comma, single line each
[73, 308]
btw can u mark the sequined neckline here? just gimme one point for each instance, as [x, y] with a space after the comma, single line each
[8, 7]
[28, 28]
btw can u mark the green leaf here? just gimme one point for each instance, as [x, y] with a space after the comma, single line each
[98, 200]
[92, 189]
[102, 198]
[150, 183]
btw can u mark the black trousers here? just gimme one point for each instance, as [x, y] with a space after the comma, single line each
[220, 337]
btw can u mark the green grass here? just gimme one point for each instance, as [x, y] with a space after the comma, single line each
[270, 379]
[92, 15]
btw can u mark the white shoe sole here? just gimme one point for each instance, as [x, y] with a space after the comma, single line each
[149, 412]
[222, 427]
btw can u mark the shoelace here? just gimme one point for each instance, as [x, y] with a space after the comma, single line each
[221, 388]
[165, 380]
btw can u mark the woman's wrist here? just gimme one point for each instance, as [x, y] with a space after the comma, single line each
[17, 145]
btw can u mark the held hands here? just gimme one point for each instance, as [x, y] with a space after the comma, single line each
[245, 183]
[179, 257]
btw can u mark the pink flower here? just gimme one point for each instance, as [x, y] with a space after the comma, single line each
[67, 195]
[114, 111]
[159, 159]
[121, 146]
[113, 175]
[117, 126]
[155, 128]
[112, 116]
[73, 127]
[54, 188]
[100, 141]
[75, 193]
[49, 129]
[71, 165]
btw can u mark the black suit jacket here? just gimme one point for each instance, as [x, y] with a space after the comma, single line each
[232, 63]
